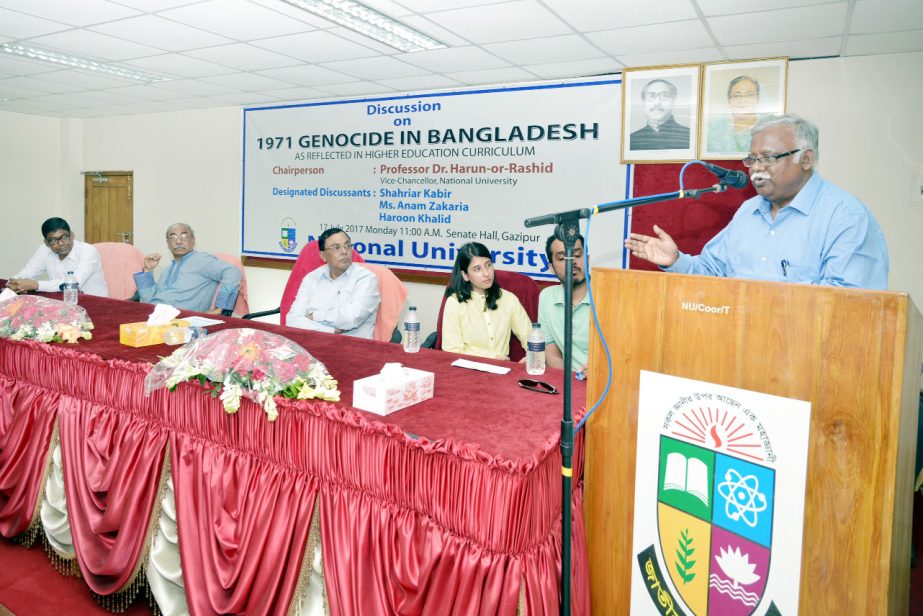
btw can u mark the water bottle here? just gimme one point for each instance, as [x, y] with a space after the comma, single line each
[535, 353]
[71, 287]
[412, 331]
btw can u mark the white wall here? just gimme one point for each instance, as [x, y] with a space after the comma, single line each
[31, 172]
[871, 143]
[187, 167]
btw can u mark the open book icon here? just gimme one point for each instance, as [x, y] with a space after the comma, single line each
[688, 475]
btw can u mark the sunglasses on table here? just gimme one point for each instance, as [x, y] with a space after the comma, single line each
[540, 386]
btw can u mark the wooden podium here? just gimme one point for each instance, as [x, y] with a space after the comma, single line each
[854, 355]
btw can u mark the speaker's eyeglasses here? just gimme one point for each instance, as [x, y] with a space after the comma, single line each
[539, 386]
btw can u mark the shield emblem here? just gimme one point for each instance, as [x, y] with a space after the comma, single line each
[714, 517]
[287, 242]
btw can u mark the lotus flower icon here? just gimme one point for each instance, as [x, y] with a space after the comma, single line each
[737, 567]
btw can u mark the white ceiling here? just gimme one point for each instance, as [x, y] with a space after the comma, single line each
[245, 52]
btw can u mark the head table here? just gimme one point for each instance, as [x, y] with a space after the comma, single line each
[451, 506]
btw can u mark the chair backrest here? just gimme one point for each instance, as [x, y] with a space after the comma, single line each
[393, 293]
[242, 306]
[309, 259]
[519, 285]
[120, 262]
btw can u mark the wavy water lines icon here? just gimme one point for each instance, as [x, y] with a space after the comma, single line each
[719, 430]
[738, 571]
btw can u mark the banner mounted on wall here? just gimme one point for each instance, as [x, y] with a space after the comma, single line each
[413, 177]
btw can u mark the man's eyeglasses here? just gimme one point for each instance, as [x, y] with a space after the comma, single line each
[338, 247]
[179, 236]
[658, 96]
[540, 386]
[52, 241]
[767, 161]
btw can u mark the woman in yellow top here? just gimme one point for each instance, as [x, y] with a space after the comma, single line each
[479, 316]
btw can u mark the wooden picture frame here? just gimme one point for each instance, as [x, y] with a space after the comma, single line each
[660, 113]
[735, 95]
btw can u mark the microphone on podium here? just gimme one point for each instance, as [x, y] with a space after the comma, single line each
[729, 177]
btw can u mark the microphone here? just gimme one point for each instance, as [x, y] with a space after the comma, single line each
[729, 177]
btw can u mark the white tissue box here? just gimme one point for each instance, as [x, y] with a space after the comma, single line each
[382, 396]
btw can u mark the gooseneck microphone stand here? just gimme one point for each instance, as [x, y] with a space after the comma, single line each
[570, 229]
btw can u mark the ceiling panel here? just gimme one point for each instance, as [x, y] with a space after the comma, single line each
[236, 19]
[376, 68]
[18, 25]
[549, 49]
[160, 33]
[83, 13]
[885, 42]
[685, 56]
[732, 7]
[179, 65]
[243, 57]
[492, 76]
[781, 25]
[94, 44]
[508, 21]
[886, 16]
[651, 39]
[316, 47]
[454, 59]
[578, 68]
[593, 15]
[307, 75]
[814, 48]
[255, 52]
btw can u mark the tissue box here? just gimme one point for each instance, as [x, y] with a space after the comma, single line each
[382, 396]
[141, 334]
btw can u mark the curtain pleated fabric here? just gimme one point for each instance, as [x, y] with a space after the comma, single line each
[408, 525]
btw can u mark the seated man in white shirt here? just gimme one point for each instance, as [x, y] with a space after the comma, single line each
[60, 254]
[339, 297]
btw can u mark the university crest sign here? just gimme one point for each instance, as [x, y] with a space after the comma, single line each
[713, 466]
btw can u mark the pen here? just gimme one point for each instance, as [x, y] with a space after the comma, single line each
[784, 268]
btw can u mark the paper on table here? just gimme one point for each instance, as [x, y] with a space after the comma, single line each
[202, 321]
[6, 294]
[476, 365]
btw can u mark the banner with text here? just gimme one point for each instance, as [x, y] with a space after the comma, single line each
[412, 178]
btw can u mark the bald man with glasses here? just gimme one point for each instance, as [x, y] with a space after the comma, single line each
[339, 297]
[799, 227]
[61, 253]
[191, 280]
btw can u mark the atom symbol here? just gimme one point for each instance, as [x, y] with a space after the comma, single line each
[742, 498]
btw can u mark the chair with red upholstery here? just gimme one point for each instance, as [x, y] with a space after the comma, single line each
[519, 285]
[393, 293]
[120, 262]
[242, 306]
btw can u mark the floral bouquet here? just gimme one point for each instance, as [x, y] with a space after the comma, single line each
[31, 317]
[246, 362]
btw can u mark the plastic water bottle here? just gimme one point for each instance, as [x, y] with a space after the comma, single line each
[535, 353]
[71, 289]
[412, 331]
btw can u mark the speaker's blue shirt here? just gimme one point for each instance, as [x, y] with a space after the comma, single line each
[824, 236]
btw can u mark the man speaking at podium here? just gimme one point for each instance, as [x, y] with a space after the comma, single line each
[799, 227]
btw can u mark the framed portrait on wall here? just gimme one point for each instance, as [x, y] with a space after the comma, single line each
[660, 113]
[735, 96]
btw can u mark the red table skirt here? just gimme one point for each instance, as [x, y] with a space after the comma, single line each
[408, 525]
